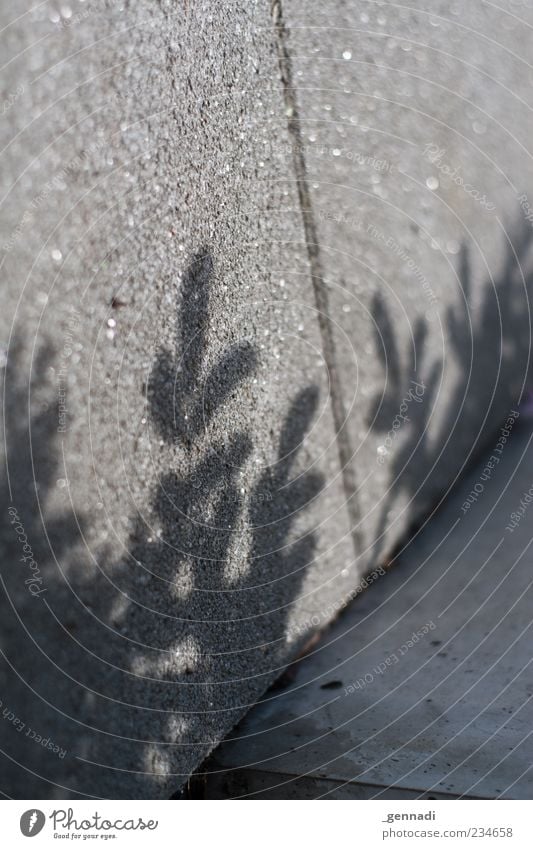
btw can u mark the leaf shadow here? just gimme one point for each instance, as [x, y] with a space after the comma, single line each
[164, 649]
[489, 342]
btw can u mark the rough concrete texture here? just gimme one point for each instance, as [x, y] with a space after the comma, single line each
[422, 689]
[179, 362]
[413, 124]
[179, 512]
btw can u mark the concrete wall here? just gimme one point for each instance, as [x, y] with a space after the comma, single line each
[194, 382]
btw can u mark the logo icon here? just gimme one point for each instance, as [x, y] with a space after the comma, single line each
[32, 822]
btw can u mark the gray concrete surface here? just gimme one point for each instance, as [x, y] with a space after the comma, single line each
[185, 512]
[422, 688]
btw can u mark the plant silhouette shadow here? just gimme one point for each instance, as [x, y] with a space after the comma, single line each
[150, 658]
[490, 343]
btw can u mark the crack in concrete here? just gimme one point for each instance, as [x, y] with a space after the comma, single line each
[344, 446]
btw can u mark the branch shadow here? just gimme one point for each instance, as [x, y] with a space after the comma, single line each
[490, 342]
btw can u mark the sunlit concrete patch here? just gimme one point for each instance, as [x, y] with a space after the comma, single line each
[423, 686]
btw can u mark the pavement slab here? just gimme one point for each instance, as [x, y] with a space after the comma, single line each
[423, 686]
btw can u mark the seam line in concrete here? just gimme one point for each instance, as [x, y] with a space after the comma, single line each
[344, 447]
